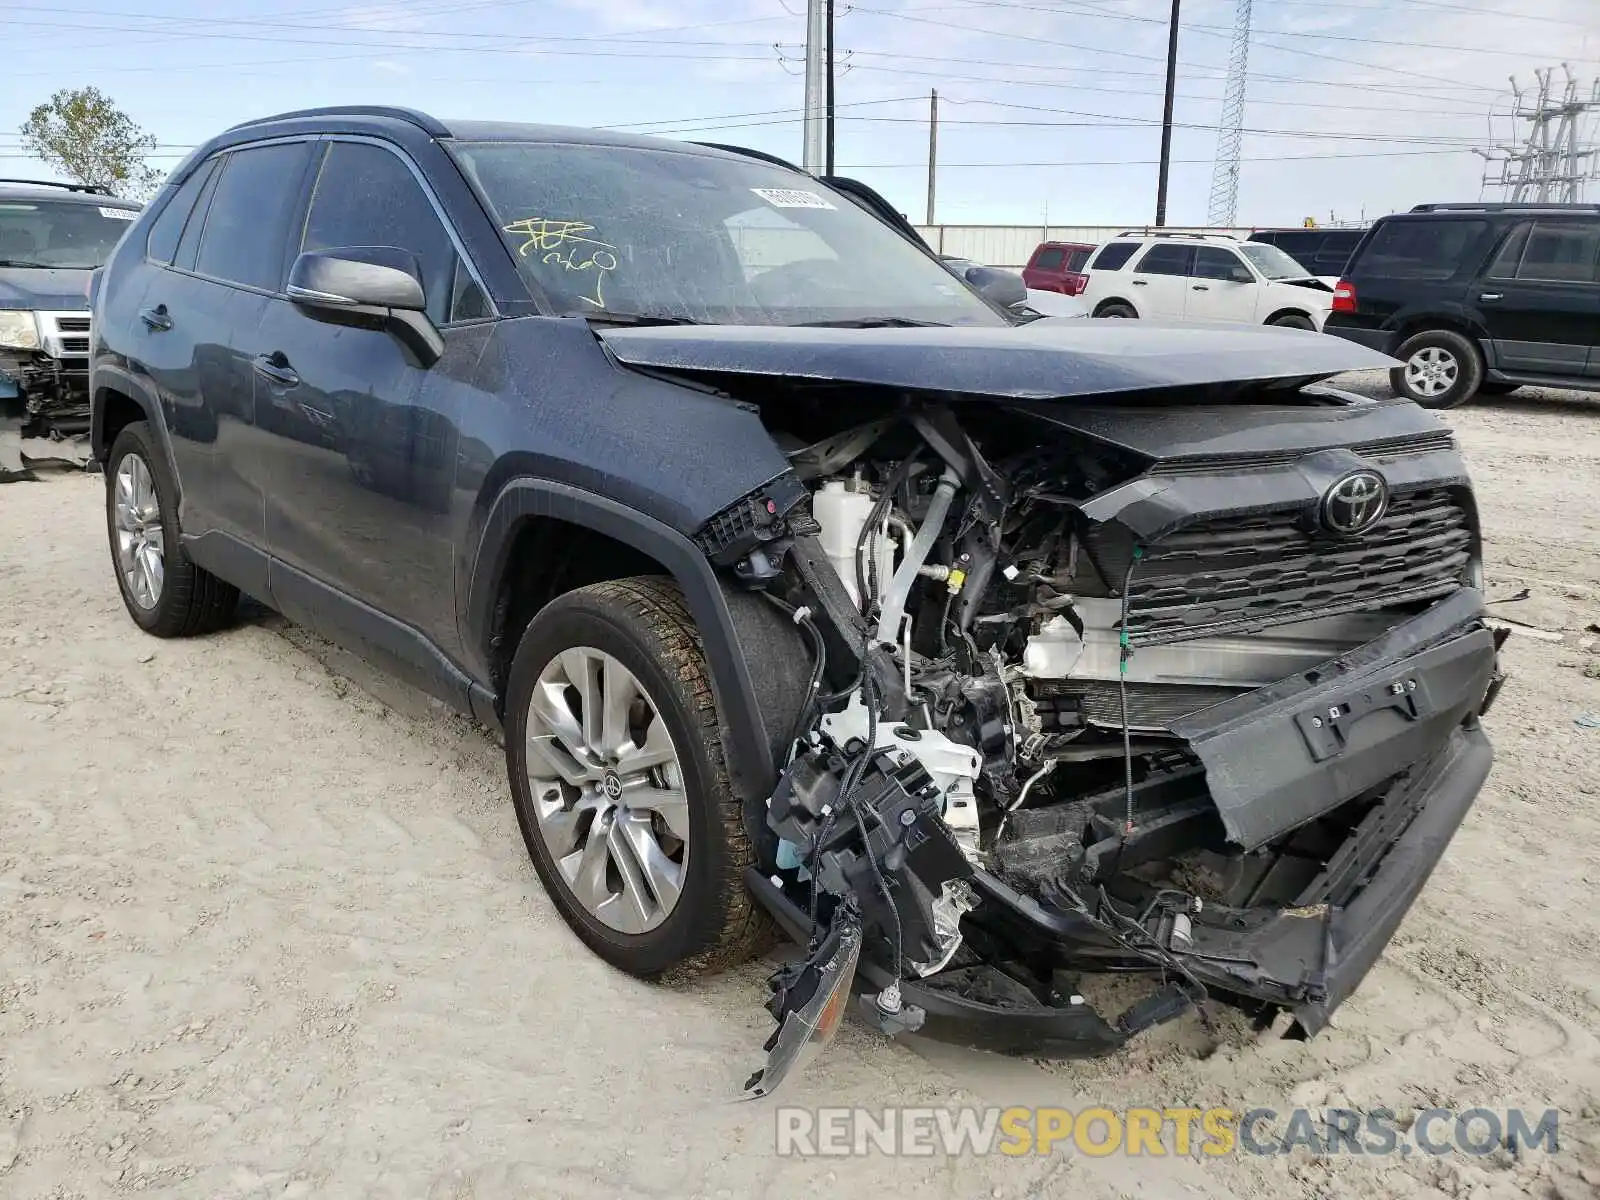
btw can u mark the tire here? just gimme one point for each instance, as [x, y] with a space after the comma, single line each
[1443, 369]
[710, 922]
[1294, 321]
[1117, 309]
[1490, 388]
[165, 593]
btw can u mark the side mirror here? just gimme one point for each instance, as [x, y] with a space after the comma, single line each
[999, 287]
[371, 286]
[1240, 273]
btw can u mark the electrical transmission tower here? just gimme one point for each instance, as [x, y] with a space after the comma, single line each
[1223, 208]
[1556, 158]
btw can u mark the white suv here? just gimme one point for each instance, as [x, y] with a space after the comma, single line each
[1203, 277]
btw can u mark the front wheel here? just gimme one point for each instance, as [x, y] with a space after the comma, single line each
[617, 771]
[164, 592]
[1442, 369]
[1117, 310]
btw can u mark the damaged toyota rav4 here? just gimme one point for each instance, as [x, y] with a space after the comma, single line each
[812, 590]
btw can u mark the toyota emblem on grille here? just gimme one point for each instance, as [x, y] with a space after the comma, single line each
[1355, 503]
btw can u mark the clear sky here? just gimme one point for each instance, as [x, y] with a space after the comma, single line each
[1047, 106]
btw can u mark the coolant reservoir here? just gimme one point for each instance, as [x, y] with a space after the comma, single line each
[841, 512]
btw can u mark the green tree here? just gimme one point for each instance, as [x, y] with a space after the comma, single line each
[83, 134]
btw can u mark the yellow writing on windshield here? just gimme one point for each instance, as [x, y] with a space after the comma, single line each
[563, 244]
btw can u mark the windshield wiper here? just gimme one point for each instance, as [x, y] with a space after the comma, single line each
[622, 318]
[872, 323]
[12, 262]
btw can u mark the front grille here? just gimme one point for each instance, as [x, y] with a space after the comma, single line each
[75, 345]
[1268, 569]
[73, 325]
[1414, 443]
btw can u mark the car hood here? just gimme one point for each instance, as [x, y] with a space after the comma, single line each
[43, 288]
[1053, 358]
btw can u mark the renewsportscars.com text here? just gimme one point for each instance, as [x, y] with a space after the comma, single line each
[1212, 1132]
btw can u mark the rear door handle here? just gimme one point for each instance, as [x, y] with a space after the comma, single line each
[156, 318]
[1141, 283]
[276, 367]
[1200, 287]
[1491, 297]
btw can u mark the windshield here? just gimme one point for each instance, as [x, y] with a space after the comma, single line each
[53, 233]
[708, 239]
[1272, 262]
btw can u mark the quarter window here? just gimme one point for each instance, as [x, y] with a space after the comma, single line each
[1426, 248]
[246, 228]
[162, 244]
[1050, 259]
[1113, 256]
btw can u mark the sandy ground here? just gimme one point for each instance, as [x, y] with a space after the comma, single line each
[267, 929]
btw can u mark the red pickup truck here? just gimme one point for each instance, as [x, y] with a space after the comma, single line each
[1058, 267]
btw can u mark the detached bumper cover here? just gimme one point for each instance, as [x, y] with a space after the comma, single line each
[1274, 771]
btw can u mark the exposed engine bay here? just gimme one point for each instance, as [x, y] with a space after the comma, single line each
[1078, 705]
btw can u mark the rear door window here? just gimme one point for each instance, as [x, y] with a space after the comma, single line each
[162, 244]
[1428, 249]
[1166, 258]
[1049, 259]
[247, 228]
[1113, 256]
[1565, 252]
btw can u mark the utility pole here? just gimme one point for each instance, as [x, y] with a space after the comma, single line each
[1166, 116]
[933, 147]
[814, 156]
[829, 53]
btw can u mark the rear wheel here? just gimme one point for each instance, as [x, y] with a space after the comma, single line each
[1442, 369]
[617, 770]
[1293, 321]
[164, 592]
[1116, 309]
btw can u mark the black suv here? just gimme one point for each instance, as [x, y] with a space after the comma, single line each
[52, 235]
[1478, 298]
[808, 586]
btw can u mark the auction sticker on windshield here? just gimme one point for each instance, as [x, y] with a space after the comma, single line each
[119, 214]
[791, 198]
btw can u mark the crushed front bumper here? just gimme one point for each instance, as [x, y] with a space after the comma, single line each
[1398, 715]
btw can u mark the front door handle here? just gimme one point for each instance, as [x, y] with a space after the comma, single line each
[156, 318]
[1491, 297]
[276, 367]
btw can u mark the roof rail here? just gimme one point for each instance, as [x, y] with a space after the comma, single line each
[90, 188]
[1499, 206]
[429, 125]
[1162, 233]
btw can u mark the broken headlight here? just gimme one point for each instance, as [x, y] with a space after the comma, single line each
[19, 330]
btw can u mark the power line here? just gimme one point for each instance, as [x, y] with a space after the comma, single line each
[1276, 32]
[1023, 37]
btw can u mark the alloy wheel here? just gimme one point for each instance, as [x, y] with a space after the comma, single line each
[141, 538]
[608, 789]
[1432, 371]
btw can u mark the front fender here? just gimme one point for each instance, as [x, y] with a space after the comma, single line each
[739, 702]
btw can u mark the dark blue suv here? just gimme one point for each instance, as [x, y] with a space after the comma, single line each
[812, 589]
